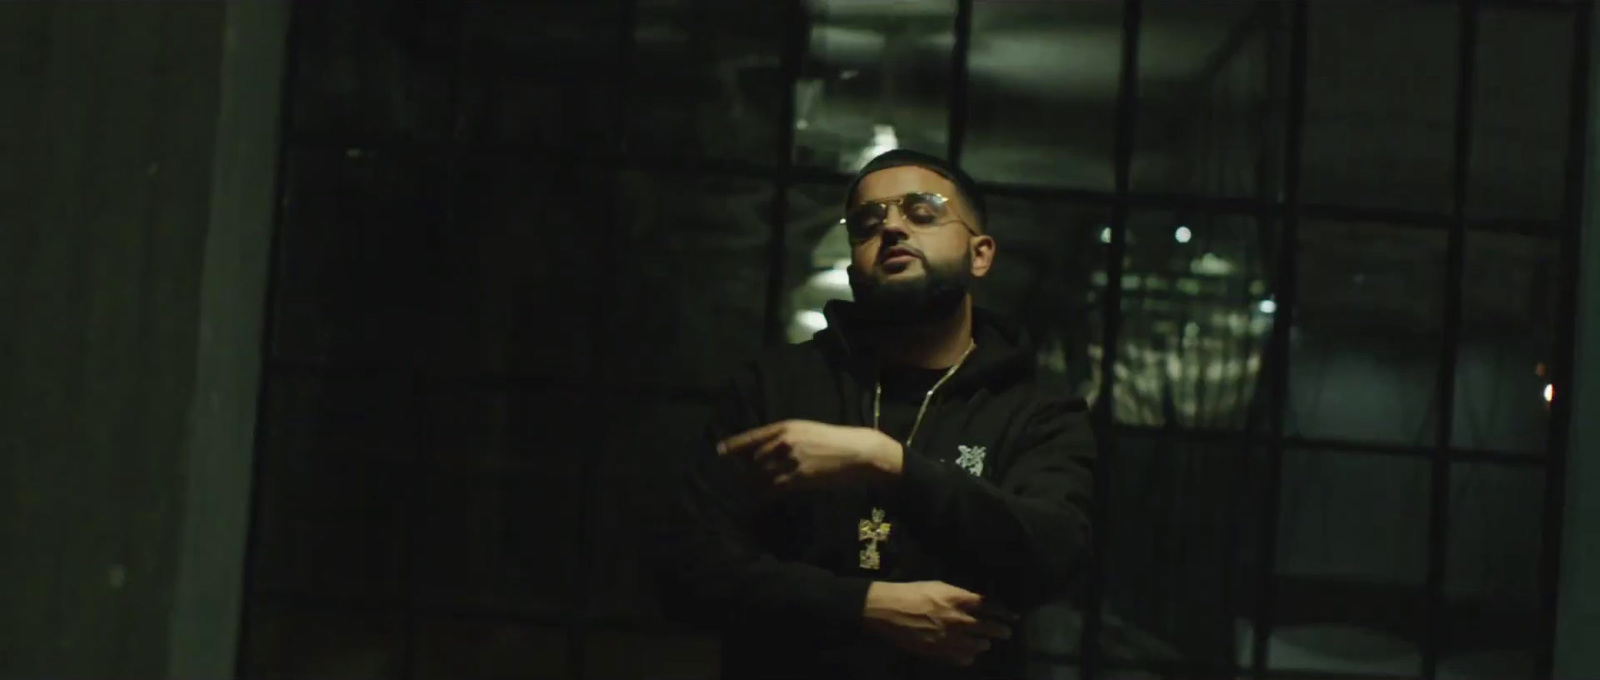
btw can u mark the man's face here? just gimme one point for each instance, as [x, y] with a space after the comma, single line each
[912, 271]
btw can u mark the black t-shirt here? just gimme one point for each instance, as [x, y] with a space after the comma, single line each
[904, 388]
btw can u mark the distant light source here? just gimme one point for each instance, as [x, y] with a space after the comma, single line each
[833, 278]
[1267, 307]
[1549, 393]
[1183, 235]
[812, 320]
[1538, 369]
[884, 140]
[1105, 235]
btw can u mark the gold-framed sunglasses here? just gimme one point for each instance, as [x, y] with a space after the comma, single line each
[923, 210]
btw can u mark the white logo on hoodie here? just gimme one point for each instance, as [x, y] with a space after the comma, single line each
[971, 459]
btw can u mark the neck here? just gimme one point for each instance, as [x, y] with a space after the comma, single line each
[937, 344]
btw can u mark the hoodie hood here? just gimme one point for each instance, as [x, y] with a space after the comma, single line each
[1003, 356]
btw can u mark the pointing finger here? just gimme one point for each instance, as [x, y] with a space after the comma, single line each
[744, 441]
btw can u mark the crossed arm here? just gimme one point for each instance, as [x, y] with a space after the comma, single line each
[1025, 536]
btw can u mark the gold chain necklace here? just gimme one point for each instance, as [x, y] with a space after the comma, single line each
[875, 530]
[877, 396]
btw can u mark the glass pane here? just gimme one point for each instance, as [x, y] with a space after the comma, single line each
[693, 279]
[365, 68]
[498, 526]
[876, 77]
[352, 241]
[1197, 314]
[1378, 135]
[325, 523]
[1509, 313]
[1364, 348]
[651, 655]
[289, 643]
[472, 650]
[708, 79]
[1492, 575]
[1042, 93]
[1351, 561]
[1182, 514]
[518, 268]
[1211, 94]
[818, 251]
[544, 73]
[1520, 113]
[639, 463]
[1046, 255]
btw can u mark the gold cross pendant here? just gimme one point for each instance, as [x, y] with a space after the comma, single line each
[873, 531]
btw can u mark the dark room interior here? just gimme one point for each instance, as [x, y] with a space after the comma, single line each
[353, 339]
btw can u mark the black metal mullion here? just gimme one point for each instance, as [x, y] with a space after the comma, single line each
[269, 337]
[794, 49]
[1557, 445]
[1111, 322]
[448, 152]
[1278, 366]
[576, 618]
[957, 136]
[1434, 636]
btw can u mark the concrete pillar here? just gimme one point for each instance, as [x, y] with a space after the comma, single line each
[137, 156]
[1578, 616]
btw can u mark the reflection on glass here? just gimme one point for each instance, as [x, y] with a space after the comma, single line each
[364, 71]
[635, 459]
[354, 235]
[1351, 560]
[1364, 347]
[541, 72]
[1176, 576]
[708, 79]
[693, 258]
[1520, 113]
[1503, 364]
[1197, 313]
[1042, 93]
[819, 251]
[300, 642]
[1376, 134]
[455, 649]
[513, 261]
[1210, 98]
[1492, 574]
[1044, 256]
[876, 77]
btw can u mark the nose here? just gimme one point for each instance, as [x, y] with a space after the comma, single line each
[895, 222]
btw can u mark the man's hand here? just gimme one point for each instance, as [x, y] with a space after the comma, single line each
[935, 619]
[803, 453]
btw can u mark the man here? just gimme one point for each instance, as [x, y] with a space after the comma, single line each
[884, 500]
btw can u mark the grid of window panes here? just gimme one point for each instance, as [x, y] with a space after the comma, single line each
[1310, 258]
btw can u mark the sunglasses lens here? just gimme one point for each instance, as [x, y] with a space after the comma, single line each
[865, 220]
[922, 208]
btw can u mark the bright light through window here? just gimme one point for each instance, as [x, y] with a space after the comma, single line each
[812, 319]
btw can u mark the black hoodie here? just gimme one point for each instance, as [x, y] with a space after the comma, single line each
[780, 576]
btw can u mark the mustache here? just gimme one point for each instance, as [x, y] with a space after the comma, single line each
[886, 253]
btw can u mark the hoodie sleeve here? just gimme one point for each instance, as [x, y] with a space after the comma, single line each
[1026, 535]
[712, 569]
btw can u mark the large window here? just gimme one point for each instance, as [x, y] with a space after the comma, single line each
[1311, 259]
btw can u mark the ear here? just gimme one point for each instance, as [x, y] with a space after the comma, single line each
[982, 247]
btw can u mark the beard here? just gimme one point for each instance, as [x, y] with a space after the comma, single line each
[934, 296]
